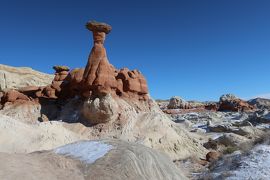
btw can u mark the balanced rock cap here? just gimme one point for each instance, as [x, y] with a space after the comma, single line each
[98, 26]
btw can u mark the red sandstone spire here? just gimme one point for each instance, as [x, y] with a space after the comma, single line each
[100, 77]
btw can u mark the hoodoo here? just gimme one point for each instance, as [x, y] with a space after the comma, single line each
[99, 74]
[101, 78]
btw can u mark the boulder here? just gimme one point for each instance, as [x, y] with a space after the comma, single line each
[100, 110]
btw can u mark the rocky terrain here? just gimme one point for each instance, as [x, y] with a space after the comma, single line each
[98, 122]
[235, 132]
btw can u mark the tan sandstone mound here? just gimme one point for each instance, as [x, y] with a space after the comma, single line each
[18, 137]
[140, 122]
[87, 160]
[11, 77]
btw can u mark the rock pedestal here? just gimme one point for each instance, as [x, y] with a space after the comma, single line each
[101, 78]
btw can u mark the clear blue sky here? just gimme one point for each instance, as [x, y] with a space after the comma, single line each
[197, 49]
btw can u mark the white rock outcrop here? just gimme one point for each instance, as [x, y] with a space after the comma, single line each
[18, 77]
[137, 123]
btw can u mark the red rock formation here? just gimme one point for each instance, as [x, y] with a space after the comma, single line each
[97, 79]
[74, 81]
[99, 74]
[101, 78]
[54, 90]
[132, 81]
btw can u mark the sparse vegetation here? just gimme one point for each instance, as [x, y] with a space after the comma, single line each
[230, 149]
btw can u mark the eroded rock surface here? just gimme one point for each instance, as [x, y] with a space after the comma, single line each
[18, 77]
[119, 162]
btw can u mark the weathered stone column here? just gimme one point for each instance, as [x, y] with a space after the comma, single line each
[99, 75]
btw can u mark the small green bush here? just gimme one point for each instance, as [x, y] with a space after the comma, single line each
[230, 150]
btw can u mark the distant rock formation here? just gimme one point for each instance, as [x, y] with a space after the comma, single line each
[178, 103]
[230, 102]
